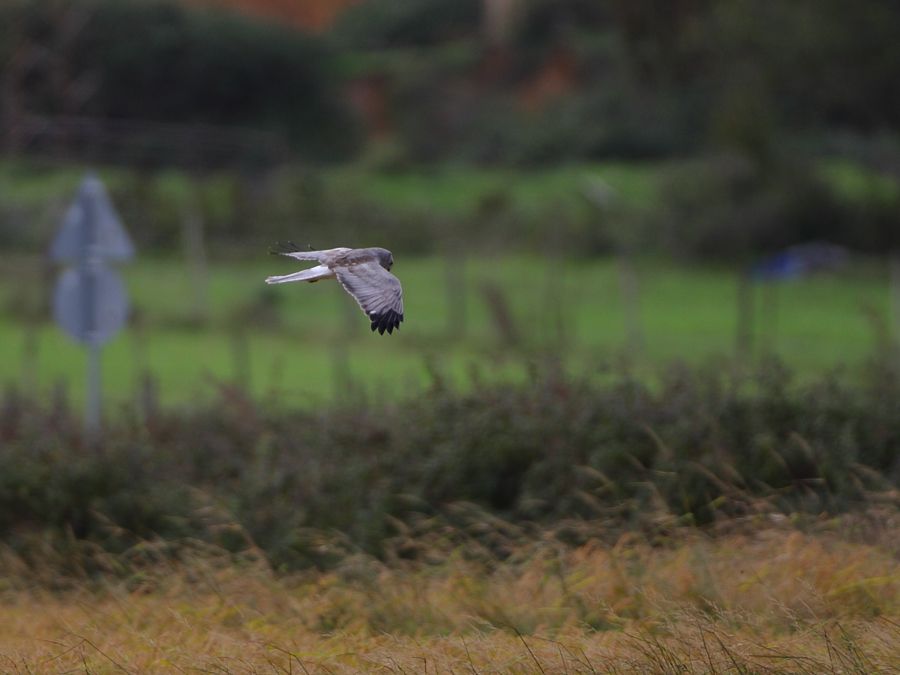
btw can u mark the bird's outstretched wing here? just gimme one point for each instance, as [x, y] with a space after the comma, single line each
[377, 291]
[291, 250]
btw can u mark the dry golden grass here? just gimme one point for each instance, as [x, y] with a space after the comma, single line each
[767, 598]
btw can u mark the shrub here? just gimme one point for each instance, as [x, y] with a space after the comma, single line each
[698, 445]
[732, 207]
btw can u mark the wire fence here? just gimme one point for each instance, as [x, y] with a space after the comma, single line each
[152, 144]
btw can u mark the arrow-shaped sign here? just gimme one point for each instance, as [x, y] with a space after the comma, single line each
[89, 302]
[91, 228]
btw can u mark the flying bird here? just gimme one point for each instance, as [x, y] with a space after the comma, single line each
[363, 272]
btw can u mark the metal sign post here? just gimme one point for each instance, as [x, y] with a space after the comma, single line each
[89, 302]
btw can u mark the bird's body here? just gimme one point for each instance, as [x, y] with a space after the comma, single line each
[364, 274]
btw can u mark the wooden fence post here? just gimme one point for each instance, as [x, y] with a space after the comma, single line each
[631, 306]
[895, 296]
[194, 244]
[744, 328]
[455, 266]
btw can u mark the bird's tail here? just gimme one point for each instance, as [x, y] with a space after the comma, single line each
[312, 274]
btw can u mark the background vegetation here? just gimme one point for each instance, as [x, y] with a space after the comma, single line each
[625, 426]
[305, 346]
[758, 96]
[708, 523]
[698, 446]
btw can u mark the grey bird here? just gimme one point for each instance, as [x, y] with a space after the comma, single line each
[363, 272]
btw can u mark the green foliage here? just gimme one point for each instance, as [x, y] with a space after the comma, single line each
[615, 123]
[162, 61]
[543, 23]
[699, 445]
[411, 23]
[824, 62]
[720, 207]
[643, 79]
[732, 207]
[647, 78]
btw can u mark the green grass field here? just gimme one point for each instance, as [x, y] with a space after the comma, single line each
[311, 340]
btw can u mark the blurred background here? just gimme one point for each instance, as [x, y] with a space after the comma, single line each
[626, 182]
[650, 252]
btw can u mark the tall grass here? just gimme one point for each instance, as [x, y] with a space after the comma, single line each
[707, 523]
[755, 596]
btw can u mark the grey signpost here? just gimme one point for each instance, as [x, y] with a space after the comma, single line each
[89, 302]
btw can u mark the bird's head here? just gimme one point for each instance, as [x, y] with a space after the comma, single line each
[385, 258]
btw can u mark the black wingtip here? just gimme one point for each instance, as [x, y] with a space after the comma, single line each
[283, 247]
[386, 321]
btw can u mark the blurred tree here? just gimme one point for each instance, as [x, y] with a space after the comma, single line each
[825, 62]
[742, 118]
[306, 14]
[177, 65]
[15, 57]
[405, 23]
[654, 33]
[498, 18]
[678, 74]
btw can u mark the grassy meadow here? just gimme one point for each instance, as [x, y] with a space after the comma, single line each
[311, 340]
[765, 595]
